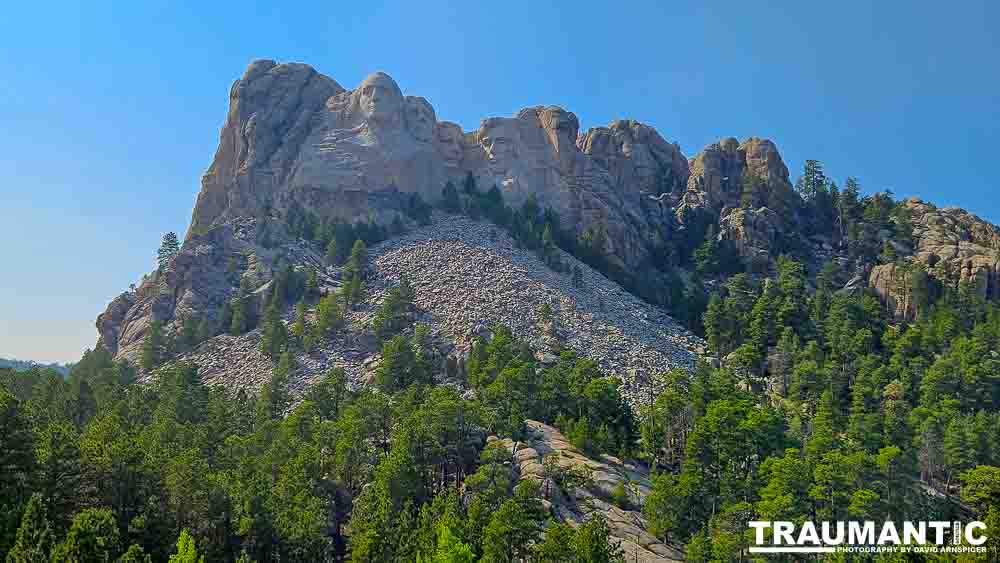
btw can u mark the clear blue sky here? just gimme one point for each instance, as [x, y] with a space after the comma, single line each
[111, 113]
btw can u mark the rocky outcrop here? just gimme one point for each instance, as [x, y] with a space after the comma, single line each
[196, 283]
[887, 281]
[957, 246]
[954, 246]
[636, 157]
[717, 172]
[751, 211]
[271, 110]
[468, 276]
[109, 323]
[546, 453]
[753, 232]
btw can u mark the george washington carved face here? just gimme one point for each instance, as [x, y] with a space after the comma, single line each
[380, 99]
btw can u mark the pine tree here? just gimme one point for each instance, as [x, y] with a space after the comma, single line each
[557, 547]
[812, 180]
[848, 208]
[93, 536]
[333, 251]
[204, 331]
[299, 327]
[391, 315]
[312, 284]
[356, 263]
[888, 255]
[593, 543]
[514, 526]
[824, 433]
[189, 334]
[169, 247]
[329, 316]
[238, 325]
[152, 346]
[135, 554]
[406, 291]
[187, 550]
[274, 336]
[34, 537]
[274, 398]
[352, 292]
[449, 198]
[397, 370]
[545, 313]
[59, 475]
[958, 453]
[715, 320]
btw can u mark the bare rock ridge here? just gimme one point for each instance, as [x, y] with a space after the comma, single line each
[270, 113]
[296, 140]
[467, 276]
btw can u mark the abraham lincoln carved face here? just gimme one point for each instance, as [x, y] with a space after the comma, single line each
[449, 143]
[499, 138]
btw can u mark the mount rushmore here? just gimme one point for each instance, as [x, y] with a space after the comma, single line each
[294, 136]
[295, 140]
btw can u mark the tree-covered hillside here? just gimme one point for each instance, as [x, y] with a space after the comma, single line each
[818, 401]
[23, 365]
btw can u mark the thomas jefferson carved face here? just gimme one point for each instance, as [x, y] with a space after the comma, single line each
[420, 118]
[449, 144]
[380, 99]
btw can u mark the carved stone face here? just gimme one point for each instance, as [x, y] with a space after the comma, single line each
[449, 144]
[380, 99]
[564, 123]
[420, 118]
[499, 141]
